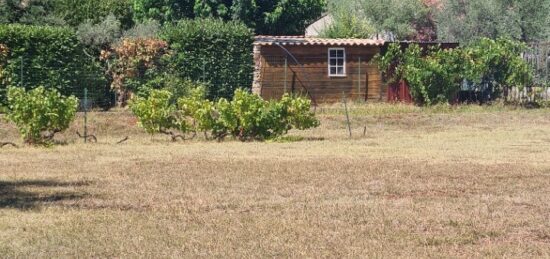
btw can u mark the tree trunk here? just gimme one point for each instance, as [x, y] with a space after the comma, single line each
[122, 97]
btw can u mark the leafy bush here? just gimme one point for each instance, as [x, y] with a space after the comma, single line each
[3, 59]
[101, 35]
[498, 61]
[258, 119]
[145, 29]
[132, 63]
[246, 117]
[39, 114]
[199, 112]
[166, 81]
[211, 51]
[435, 75]
[48, 56]
[156, 113]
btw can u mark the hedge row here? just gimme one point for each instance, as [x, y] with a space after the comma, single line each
[46, 56]
[212, 51]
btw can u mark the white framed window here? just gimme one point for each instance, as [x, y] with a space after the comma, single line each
[336, 62]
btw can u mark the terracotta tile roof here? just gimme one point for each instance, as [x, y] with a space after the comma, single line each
[312, 41]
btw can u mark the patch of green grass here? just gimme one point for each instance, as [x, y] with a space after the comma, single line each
[294, 138]
[388, 109]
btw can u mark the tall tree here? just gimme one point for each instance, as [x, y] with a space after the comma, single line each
[348, 21]
[288, 16]
[532, 18]
[397, 18]
[213, 8]
[39, 12]
[264, 16]
[76, 12]
[466, 21]
[245, 11]
[162, 10]
[276, 17]
[390, 19]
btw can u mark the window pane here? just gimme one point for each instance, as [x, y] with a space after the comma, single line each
[337, 62]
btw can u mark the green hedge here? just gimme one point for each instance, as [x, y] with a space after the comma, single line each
[212, 51]
[48, 56]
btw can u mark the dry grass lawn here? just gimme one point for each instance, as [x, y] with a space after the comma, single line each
[465, 182]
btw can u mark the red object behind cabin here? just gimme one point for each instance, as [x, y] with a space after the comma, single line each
[399, 92]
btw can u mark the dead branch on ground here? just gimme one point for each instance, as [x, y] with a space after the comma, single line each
[3, 144]
[123, 140]
[92, 138]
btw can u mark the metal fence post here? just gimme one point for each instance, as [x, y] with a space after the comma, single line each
[21, 72]
[286, 76]
[347, 114]
[85, 115]
[359, 78]
[203, 70]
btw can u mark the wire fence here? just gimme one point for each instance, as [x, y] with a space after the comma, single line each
[93, 87]
[361, 80]
[281, 74]
[309, 75]
[538, 58]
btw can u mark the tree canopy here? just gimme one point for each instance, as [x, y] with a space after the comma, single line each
[465, 21]
[390, 19]
[265, 17]
[449, 20]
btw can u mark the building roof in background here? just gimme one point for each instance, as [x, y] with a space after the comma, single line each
[319, 26]
[264, 40]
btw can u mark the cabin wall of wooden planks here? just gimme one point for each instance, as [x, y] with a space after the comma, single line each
[306, 72]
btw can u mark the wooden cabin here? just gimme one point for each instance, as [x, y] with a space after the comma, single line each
[325, 70]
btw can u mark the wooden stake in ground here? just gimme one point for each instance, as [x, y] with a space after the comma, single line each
[347, 114]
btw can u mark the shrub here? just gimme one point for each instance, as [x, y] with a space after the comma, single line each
[145, 29]
[177, 86]
[156, 114]
[435, 75]
[211, 51]
[3, 60]
[48, 56]
[432, 74]
[39, 114]
[132, 63]
[246, 117]
[199, 112]
[101, 35]
[299, 113]
[499, 61]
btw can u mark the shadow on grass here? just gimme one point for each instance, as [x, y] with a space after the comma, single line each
[18, 194]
